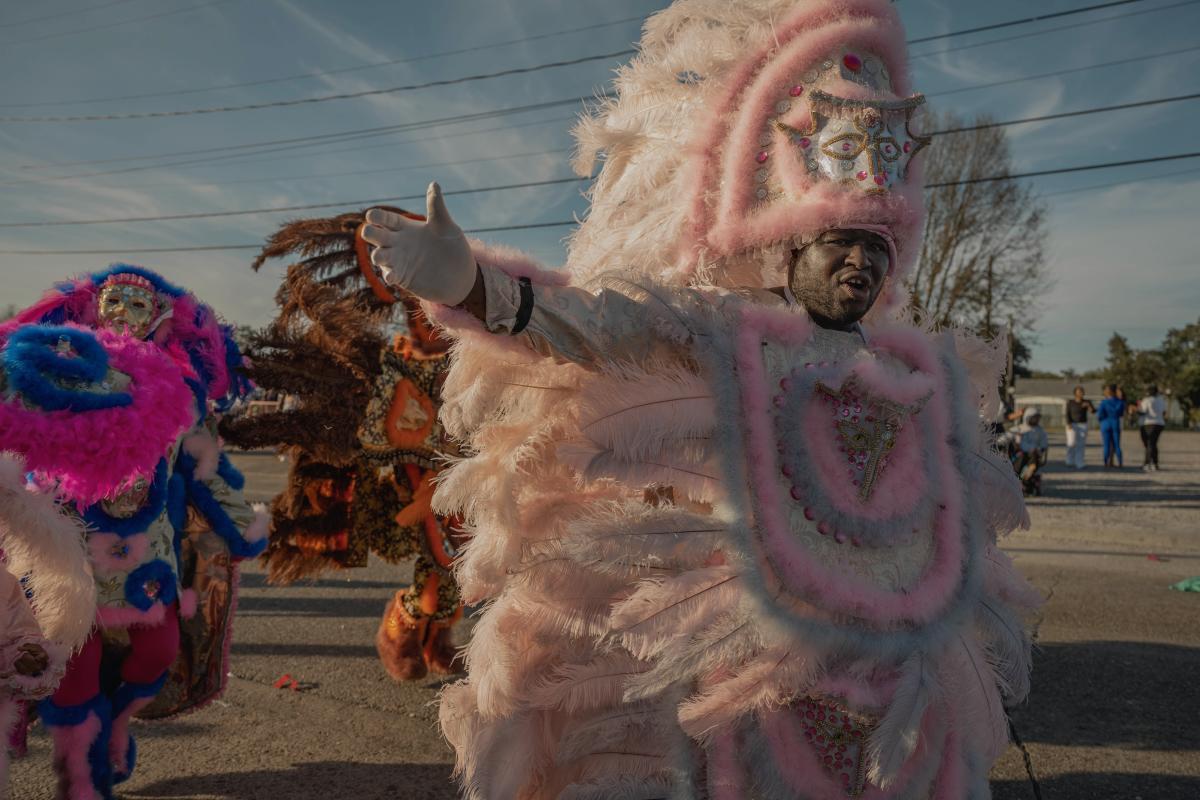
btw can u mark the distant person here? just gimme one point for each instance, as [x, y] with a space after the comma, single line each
[1152, 410]
[1031, 445]
[1077, 427]
[1109, 414]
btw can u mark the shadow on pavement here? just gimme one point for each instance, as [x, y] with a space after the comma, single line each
[294, 649]
[319, 780]
[285, 605]
[1102, 786]
[258, 580]
[1129, 694]
[1109, 492]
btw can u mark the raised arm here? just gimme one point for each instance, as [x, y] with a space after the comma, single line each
[433, 260]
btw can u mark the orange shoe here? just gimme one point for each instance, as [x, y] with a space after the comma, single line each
[439, 648]
[399, 642]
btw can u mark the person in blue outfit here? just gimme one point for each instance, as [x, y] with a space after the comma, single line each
[1109, 415]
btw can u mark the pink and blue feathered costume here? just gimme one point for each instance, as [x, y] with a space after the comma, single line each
[135, 533]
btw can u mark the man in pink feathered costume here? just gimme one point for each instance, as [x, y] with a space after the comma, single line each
[60, 386]
[135, 534]
[734, 517]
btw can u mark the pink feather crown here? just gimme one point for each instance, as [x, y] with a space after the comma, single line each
[812, 130]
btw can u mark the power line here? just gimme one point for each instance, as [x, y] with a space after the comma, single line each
[1062, 170]
[983, 126]
[1026, 21]
[329, 97]
[373, 171]
[453, 81]
[573, 222]
[1045, 31]
[1057, 73]
[327, 73]
[1098, 186]
[70, 13]
[372, 201]
[210, 248]
[275, 209]
[1066, 114]
[307, 141]
[27, 40]
[387, 130]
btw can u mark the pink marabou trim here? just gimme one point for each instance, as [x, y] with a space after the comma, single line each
[71, 745]
[794, 757]
[797, 762]
[118, 743]
[187, 603]
[725, 778]
[78, 305]
[792, 564]
[861, 694]
[951, 782]
[93, 453]
[201, 446]
[721, 165]
[515, 264]
[113, 617]
[100, 547]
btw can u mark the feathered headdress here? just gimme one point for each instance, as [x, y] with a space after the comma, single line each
[184, 324]
[743, 126]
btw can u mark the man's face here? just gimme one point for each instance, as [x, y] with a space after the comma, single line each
[838, 277]
[127, 309]
[1078, 395]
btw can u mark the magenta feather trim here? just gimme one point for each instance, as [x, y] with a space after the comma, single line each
[113, 617]
[94, 453]
[190, 324]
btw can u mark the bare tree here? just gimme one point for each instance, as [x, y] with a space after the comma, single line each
[983, 259]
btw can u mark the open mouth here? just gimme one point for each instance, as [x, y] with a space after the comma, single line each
[856, 285]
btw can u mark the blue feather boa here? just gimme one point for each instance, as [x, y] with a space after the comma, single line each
[204, 501]
[32, 362]
[157, 573]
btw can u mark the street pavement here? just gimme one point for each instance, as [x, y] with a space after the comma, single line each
[1115, 710]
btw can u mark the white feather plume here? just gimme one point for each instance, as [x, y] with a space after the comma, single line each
[896, 737]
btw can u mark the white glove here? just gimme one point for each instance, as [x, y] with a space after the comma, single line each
[431, 259]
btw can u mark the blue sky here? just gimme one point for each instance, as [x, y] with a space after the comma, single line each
[1121, 255]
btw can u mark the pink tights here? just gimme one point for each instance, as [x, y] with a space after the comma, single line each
[152, 651]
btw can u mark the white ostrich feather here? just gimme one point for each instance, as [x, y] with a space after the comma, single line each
[41, 541]
[896, 737]
[1008, 648]
[599, 683]
[661, 609]
[605, 731]
[772, 678]
[619, 787]
[730, 641]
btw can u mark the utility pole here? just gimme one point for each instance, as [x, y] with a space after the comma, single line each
[1009, 380]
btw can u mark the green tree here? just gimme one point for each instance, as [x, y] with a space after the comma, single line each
[1180, 354]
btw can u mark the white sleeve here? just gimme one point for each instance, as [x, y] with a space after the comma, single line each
[620, 321]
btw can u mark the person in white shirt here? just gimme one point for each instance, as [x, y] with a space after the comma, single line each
[1153, 411]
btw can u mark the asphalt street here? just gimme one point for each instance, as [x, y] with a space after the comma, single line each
[1115, 711]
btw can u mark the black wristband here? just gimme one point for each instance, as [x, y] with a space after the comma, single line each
[525, 311]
